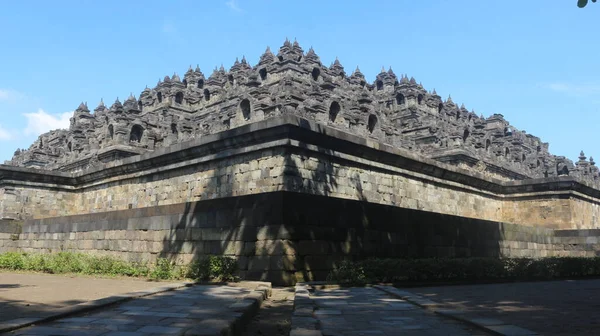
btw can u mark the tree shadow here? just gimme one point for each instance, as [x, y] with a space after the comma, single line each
[562, 307]
[311, 208]
[205, 307]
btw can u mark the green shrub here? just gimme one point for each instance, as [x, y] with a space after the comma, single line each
[347, 272]
[163, 270]
[12, 261]
[213, 268]
[206, 268]
[462, 269]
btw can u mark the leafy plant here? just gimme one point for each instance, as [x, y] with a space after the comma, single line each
[462, 269]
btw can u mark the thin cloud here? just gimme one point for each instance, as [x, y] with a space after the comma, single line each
[232, 4]
[5, 134]
[9, 95]
[42, 122]
[170, 31]
[573, 89]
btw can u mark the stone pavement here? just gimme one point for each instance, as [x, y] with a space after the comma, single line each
[274, 317]
[366, 311]
[196, 310]
[29, 295]
[556, 308]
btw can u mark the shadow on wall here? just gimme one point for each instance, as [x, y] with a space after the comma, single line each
[320, 217]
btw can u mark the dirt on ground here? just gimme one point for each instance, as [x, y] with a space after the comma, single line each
[35, 295]
[274, 316]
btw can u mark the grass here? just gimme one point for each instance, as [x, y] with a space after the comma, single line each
[218, 268]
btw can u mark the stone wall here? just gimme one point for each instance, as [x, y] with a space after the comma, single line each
[285, 236]
[288, 197]
[295, 155]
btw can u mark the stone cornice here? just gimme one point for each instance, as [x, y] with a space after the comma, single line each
[295, 132]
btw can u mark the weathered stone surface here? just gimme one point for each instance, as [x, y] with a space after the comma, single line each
[391, 110]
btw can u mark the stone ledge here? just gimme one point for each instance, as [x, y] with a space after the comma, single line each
[303, 321]
[244, 309]
[88, 306]
[305, 132]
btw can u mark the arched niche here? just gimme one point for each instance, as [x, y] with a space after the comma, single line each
[245, 108]
[334, 110]
[315, 74]
[400, 99]
[136, 134]
[372, 123]
[179, 98]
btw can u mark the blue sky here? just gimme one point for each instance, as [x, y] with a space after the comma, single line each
[535, 62]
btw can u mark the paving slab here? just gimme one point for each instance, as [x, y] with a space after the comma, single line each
[32, 295]
[556, 308]
[201, 310]
[368, 311]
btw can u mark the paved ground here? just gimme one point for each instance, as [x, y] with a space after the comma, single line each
[368, 311]
[274, 317]
[37, 295]
[201, 310]
[549, 308]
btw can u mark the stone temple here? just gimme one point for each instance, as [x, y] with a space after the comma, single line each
[290, 166]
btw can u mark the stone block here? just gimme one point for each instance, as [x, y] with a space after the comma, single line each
[274, 247]
[313, 247]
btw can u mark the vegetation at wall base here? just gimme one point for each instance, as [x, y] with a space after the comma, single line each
[433, 270]
[206, 268]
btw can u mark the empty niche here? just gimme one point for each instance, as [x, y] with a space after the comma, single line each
[563, 171]
[174, 128]
[400, 100]
[334, 109]
[200, 83]
[111, 131]
[41, 143]
[159, 97]
[263, 73]
[70, 146]
[206, 95]
[372, 123]
[140, 106]
[179, 98]
[420, 99]
[315, 73]
[245, 108]
[440, 107]
[379, 84]
[487, 145]
[506, 152]
[466, 135]
[136, 133]
[230, 79]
